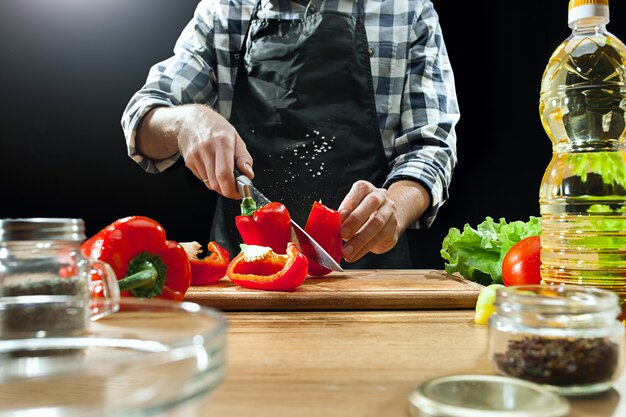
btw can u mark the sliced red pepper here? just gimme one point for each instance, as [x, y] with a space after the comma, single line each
[261, 268]
[269, 225]
[146, 263]
[323, 225]
[210, 268]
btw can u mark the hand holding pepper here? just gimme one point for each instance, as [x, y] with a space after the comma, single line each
[374, 218]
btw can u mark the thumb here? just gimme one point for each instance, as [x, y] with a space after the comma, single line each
[243, 159]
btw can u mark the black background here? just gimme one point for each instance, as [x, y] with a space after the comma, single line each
[69, 67]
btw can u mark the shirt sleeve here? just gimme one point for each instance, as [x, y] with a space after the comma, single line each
[426, 146]
[186, 77]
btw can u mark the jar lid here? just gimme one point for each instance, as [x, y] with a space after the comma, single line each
[39, 228]
[484, 396]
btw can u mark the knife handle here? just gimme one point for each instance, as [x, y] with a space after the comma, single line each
[244, 185]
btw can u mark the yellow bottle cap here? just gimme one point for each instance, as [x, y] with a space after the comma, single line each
[576, 3]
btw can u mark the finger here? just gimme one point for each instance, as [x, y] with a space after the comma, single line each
[200, 171]
[243, 159]
[386, 239]
[378, 246]
[368, 206]
[204, 159]
[224, 164]
[369, 235]
[351, 201]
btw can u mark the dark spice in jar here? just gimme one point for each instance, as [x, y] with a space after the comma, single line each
[24, 318]
[45, 286]
[560, 361]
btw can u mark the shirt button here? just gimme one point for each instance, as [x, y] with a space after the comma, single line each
[370, 51]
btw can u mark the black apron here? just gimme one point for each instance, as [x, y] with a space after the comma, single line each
[304, 105]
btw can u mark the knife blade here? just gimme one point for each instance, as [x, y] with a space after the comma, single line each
[301, 238]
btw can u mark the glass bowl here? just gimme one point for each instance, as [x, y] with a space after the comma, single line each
[150, 357]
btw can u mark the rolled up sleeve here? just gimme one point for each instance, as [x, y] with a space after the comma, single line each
[426, 147]
[186, 77]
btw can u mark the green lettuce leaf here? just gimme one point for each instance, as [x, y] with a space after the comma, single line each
[477, 254]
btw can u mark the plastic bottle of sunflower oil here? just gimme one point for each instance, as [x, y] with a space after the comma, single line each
[583, 191]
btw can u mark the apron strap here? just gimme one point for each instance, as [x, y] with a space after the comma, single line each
[256, 9]
[313, 6]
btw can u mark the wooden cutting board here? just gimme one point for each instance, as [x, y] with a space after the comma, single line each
[351, 290]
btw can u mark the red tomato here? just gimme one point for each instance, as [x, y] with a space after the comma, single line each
[522, 263]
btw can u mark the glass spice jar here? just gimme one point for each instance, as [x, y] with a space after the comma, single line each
[565, 337]
[46, 284]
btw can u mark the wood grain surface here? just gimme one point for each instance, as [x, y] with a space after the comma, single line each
[357, 364]
[350, 290]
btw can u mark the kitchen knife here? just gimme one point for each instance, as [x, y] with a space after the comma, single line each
[299, 236]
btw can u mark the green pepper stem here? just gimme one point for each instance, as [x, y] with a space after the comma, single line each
[248, 206]
[145, 275]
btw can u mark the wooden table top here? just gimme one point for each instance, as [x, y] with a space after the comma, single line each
[360, 364]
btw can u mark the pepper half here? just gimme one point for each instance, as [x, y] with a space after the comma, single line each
[146, 263]
[260, 268]
[269, 225]
[324, 226]
[209, 269]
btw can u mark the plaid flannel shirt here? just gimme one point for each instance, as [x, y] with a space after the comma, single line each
[412, 78]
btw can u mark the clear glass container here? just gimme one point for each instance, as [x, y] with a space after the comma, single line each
[45, 281]
[565, 337]
[150, 358]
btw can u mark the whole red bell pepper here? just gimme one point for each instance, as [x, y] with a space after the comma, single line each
[146, 263]
[269, 225]
[261, 268]
[324, 226]
[210, 268]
